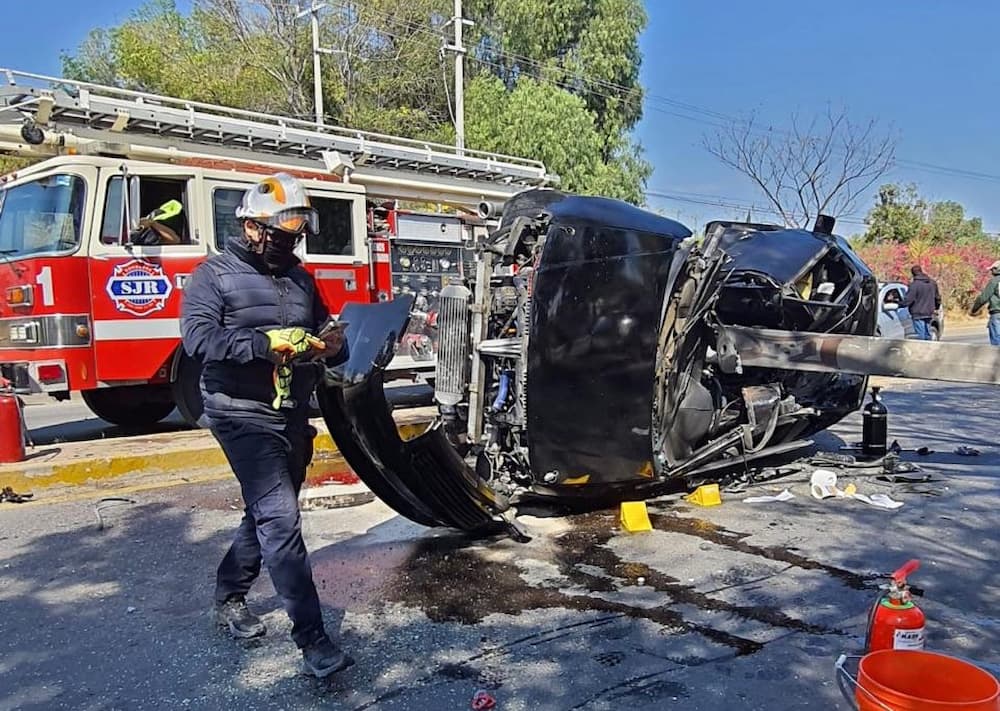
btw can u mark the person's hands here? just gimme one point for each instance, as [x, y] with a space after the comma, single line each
[334, 341]
[287, 343]
[333, 338]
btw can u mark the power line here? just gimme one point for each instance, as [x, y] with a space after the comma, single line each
[732, 203]
[702, 115]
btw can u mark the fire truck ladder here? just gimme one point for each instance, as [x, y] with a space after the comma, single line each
[58, 113]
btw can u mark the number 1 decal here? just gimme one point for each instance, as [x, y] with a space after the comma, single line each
[44, 280]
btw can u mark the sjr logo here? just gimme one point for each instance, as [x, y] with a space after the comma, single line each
[139, 288]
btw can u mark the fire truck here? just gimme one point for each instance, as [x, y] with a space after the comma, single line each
[85, 307]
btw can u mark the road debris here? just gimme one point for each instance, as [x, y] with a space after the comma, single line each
[107, 502]
[8, 495]
[823, 485]
[785, 495]
[482, 701]
[967, 451]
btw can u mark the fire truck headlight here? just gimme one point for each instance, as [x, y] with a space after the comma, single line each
[83, 331]
[404, 262]
[445, 264]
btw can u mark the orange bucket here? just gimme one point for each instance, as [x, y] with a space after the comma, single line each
[910, 680]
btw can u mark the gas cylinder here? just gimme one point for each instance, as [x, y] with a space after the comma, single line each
[11, 428]
[895, 621]
[874, 426]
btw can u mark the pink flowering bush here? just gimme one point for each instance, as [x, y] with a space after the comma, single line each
[961, 270]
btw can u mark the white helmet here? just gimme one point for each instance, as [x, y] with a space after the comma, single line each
[281, 202]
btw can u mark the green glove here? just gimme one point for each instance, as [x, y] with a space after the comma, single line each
[282, 385]
[287, 343]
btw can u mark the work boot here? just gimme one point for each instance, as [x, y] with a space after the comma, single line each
[323, 658]
[235, 615]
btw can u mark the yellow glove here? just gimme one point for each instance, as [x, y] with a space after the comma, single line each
[287, 343]
[282, 385]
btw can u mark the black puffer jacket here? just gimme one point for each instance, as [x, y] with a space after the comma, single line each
[229, 303]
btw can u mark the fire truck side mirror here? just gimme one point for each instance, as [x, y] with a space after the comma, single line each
[133, 203]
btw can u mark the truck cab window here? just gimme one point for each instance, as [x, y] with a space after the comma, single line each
[44, 215]
[335, 227]
[224, 220]
[164, 220]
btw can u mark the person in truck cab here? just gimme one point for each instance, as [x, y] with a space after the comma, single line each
[250, 315]
[164, 225]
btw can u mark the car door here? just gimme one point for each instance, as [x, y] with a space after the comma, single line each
[137, 288]
[905, 319]
[890, 323]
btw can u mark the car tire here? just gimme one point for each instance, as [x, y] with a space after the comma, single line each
[132, 406]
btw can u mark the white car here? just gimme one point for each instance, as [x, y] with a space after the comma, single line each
[894, 320]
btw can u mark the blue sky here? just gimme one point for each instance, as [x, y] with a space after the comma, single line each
[930, 69]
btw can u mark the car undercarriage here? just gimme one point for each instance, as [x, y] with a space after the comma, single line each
[589, 361]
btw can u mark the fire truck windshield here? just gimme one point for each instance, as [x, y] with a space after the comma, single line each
[42, 216]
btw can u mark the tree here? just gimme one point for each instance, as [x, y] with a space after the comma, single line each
[579, 58]
[9, 164]
[588, 48]
[901, 215]
[946, 223]
[820, 167]
[897, 216]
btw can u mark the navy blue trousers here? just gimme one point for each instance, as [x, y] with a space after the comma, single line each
[271, 467]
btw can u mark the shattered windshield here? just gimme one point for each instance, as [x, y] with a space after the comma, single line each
[45, 215]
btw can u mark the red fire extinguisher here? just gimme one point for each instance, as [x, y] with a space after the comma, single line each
[895, 621]
[12, 429]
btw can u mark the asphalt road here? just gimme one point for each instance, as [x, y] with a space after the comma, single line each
[738, 606]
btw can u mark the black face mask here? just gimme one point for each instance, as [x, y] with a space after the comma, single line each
[278, 253]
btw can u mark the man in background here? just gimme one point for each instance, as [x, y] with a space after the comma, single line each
[922, 299]
[990, 298]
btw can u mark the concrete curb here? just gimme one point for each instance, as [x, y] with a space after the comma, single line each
[108, 465]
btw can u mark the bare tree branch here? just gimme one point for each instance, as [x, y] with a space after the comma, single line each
[822, 167]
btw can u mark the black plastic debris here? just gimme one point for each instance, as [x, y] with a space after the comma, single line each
[8, 495]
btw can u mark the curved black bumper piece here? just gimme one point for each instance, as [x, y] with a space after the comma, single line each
[424, 478]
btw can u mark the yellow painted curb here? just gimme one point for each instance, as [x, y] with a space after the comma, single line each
[29, 476]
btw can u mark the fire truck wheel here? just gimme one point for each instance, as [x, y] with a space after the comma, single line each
[187, 390]
[131, 405]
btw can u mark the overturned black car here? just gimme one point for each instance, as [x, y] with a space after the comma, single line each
[589, 360]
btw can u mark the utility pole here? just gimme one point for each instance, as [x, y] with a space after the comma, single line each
[458, 49]
[313, 13]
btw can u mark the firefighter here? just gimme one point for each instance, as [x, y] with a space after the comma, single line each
[164, 225]
[250, 315]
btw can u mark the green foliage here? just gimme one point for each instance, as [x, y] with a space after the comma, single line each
[588, 48]
[897, 215]
[556, 80]
[8, 164]
[900, 215]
